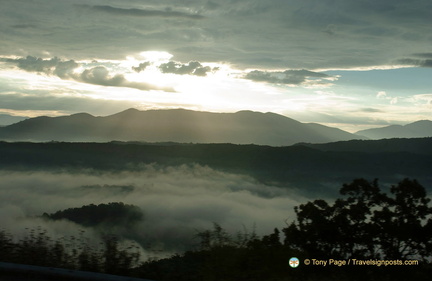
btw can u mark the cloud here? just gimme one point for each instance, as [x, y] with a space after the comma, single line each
[424, 55]
[252, 34]
[141, 67]
[381, 95]
[61, 102]
[98, 75]
[167, 13]
[371, 110]
[62, 69]
[289, 77]
[424, 97]
[176, 201]
[384, 96]
[23, 26]
[417, 62]
[192, 68]
[330, 29]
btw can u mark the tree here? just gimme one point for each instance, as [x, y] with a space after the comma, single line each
[405, 224]
[118, 261]
[366, 223]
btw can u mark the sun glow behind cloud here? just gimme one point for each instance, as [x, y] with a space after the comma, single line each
[156, 56]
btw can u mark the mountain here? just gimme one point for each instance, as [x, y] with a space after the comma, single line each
[176, 125]
[419, 129]
[6, 119]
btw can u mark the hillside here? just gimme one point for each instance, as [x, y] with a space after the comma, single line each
[419, 129]
[177, 125]
[393, 145]
[292, 166]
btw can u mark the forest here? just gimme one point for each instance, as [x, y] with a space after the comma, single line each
[308, 167]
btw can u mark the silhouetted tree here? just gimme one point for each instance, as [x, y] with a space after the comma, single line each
[366, 223]
[404, 224]
[115, 260]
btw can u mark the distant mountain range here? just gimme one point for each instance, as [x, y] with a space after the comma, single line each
[419, 129]
[6, 119]
[393, 145]
[176, 125]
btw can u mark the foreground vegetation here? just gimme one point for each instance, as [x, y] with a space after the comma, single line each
[365, 223]
[38, 248]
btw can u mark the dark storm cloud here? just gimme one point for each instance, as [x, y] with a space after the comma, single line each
[56, 66]
[252, 34]
[424, 55]
[211, 5]
[290, 77]
[168, 13]
[192, 68]
[98, 75]
[416, 62]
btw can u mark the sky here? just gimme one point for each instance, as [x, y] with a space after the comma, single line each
[351, 64]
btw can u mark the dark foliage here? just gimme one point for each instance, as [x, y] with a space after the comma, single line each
[224, 257]
[37, 248]
[115, 214]
[364, 224]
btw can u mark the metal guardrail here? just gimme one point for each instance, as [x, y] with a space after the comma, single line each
[16, 272]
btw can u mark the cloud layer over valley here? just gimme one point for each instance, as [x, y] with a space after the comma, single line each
[176, 201]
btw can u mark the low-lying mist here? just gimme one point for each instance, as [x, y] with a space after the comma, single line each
[177, 202]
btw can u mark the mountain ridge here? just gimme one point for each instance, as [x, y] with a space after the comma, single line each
[6, 119]
[176, 125]
[417, 129]
[393, 145]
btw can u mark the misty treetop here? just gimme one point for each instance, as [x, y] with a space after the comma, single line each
[114, 213]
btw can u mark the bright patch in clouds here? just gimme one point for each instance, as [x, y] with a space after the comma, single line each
[156, 56]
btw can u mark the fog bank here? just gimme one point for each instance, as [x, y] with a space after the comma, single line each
[176, 201]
